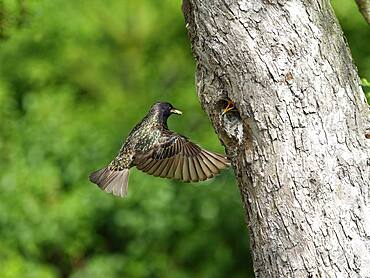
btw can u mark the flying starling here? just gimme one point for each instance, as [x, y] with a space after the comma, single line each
[158, 151]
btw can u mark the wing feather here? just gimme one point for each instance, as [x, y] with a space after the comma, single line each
[201, 174]
[192, 172]
[154, 167]
[176, 157]
[209, 164]
[165, 169]
[205, 168]
[162, 165]
[185, 170]
[171, 172]
[178, 172]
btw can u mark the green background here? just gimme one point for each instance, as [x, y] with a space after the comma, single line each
[75, 76]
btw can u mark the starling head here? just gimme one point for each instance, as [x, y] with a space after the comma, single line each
[163, 110]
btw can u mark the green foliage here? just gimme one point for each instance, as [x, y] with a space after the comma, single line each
[357, 32]
[75, 76]
[73, 82]
[366, 87]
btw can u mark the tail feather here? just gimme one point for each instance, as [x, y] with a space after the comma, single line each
[111, 181]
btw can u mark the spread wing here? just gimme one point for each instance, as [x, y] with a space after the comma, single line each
[175, 157]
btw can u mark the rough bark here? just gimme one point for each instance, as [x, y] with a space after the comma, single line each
[364, 7]
[297, 140]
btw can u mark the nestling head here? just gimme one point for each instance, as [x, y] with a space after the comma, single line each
[164, 109]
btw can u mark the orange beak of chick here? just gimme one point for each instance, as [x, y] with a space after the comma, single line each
[230, 106]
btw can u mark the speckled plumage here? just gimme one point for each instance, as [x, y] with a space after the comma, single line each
[156, 150]
[141, 139]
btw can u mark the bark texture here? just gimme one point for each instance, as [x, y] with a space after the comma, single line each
[364, 7]
[297, 140]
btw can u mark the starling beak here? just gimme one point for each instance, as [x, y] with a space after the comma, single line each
[175, 111]
[230, 106]
[158, 151]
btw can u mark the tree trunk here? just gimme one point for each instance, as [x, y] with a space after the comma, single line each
[364, 7]
[297, 137]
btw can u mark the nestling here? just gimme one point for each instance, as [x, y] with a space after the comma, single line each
[158, 151]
